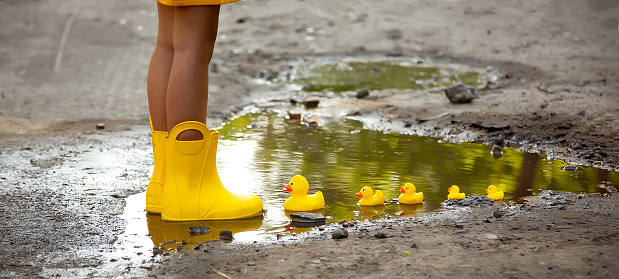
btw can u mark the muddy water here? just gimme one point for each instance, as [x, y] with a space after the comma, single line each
[351, 75]
[258, 152]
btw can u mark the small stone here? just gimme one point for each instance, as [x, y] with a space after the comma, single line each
[461, 94]
[316, 261]
[468, 236]
[179, 248]
[497, 152]
[166, 254]
[157, 251]
[380, 235]
[100, 126]
[570, 168]
[294, 116]
[198, 230]
[339, 234]
[363, 93]
[251, 264]
[306, 217]
[225, 235]
[184, 242]
[491, 236]
[311, 101]
[497, 214]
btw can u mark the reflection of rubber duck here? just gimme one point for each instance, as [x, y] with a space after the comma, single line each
[299, 199]
[169, 235]
[369, 198]
[454, 193]
[410, 209]
[493, 193]
[368, 211]
[409, 196]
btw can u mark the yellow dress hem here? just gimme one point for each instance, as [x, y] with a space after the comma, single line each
[194, 2]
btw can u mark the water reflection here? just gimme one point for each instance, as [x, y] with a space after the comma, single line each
[341, 157]
[171, 235]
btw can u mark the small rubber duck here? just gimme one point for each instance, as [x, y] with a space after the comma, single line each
[494, 194]
[369, 198]
[299, 199]
[409, 196]
[454, 193]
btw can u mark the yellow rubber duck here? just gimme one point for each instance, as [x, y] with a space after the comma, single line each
[493, 193]
[369, 198]
[409, 196]
[299, 199]
[454, 193]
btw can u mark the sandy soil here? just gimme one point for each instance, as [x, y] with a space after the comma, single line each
[558, 94]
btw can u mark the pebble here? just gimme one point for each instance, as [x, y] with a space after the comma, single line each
[100, 126]
[363, 93]
[461, 94]
[570, 168]
[311, 101]
[198, 230]
[306, 217]
[251, 264]
[491, 236]
[157, 251]
[294, 116]
[380, 235]
[497, 214]
[339, 234]
[468, 236]
[225, 235]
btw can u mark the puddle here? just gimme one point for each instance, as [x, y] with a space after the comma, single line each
[378, 75]
[338, 159]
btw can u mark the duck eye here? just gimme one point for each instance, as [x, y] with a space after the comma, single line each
[363, 190]
[406, 188]
[291, 183]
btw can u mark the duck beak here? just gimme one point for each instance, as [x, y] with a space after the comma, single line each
[486, 191]
[402, 190]
[359, 195]
[287, 188]
[448, 190]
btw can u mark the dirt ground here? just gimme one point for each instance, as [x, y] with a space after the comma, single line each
[67, 65]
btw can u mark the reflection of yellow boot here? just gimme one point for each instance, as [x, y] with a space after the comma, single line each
[169, 235]
[155, 186]
[193, 190]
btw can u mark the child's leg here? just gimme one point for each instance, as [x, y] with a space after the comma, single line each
[159, 68]
[195, 31]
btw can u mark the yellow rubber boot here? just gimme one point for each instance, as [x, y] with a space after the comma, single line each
[155, 186]
[193, 190]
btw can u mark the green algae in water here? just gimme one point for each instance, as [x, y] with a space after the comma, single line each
[341, 157]
[352, 76]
